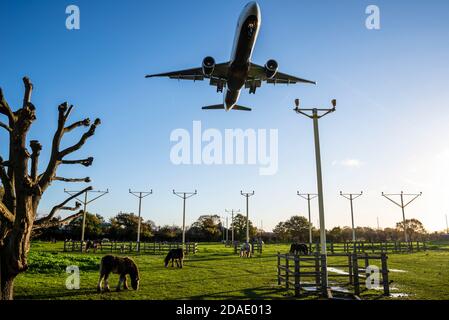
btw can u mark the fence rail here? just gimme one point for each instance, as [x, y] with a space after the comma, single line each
[255, 247]
[307, 274]
[157, 248]
[370, 247]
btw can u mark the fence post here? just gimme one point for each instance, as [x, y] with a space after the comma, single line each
[350, 271]
[287, 271]
[366, 258]
[385, 281]
[332, 247]
[323, 275]
[355, 266]
[279, 268]
[317, 271]
[297, 278]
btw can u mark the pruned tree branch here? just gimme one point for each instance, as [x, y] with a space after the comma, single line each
[86, 179]
[5, 109]
[82, 123]
[5, 214]
[5, 126]
[56, 222]
[61, 206]
[4, 178]
[36, 148]
[82, 141]
[71, 217]
[63, 113]
[85, 162]
[28, 91]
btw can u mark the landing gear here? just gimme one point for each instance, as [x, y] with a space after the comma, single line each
[252, 89]
[219, 83]
[253, 85]
[220, 86]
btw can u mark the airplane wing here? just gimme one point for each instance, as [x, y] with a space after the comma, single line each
[257, 73]
[219, 73]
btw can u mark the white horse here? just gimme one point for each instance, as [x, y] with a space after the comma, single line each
[245, 250]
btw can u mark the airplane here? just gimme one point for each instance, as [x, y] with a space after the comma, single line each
[239, 72]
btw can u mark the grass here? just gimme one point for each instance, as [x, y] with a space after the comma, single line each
[213, 273]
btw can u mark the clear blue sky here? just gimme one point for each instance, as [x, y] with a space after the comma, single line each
[389, 133]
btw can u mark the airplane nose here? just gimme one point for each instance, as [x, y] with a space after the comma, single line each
[254, 8]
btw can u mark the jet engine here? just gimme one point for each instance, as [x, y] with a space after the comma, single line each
[208, 66]
[271, 68]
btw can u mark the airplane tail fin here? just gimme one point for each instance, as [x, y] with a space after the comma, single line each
[222, 107]
[214, 107]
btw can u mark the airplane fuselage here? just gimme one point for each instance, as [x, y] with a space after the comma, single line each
[245, 38]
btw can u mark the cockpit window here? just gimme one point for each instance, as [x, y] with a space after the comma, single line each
[251, 28]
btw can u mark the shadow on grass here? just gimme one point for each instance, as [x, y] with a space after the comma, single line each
[258, 293]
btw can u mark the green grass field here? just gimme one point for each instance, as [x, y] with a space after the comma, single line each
[214, 273]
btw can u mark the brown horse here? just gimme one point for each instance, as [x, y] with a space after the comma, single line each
[175, 255]
[299, 248]
[122, 266]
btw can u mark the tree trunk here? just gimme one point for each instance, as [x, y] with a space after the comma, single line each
[6, 282]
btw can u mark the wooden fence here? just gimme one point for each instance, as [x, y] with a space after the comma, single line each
[255, 247]
[370, 247]
[306, 274]
[157, 248]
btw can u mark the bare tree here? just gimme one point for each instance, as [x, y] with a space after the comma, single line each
[24, 186]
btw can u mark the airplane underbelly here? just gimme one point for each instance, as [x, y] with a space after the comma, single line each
[231, 97]
[237, 76]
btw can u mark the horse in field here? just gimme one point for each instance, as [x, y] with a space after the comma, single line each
[175, 255]
[299, 248]
[92, 245]
[245, 250]
[122, 266]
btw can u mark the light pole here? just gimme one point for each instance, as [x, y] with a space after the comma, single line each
[184, 196]
[140, 195]
[447, 227]
[247, 195]
[85, 202]
[351, 197]
[308, 197]
[227, 230]
[402, 206]
[315, 116]
[232, 222]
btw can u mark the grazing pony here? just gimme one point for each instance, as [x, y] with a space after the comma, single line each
[92, 244]
[299, 248]
[245, 250]
[175, 255]
[121, 266]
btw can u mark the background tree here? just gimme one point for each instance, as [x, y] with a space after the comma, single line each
[24, 186]
[239, 225]
[415, 229]
[93, 229]
[280, 230]
[124, 227]
[294, 229]
[169, 233]
[206, 228]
